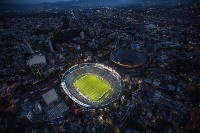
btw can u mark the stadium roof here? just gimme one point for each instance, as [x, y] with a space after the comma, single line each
[128, 58]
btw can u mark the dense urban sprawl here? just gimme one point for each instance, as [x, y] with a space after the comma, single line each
[38, 46]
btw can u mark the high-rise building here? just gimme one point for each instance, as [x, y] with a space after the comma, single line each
[27, 47]
[28, 115]
[50, 46]
[82, 35]
[37, 108]
[19, 63]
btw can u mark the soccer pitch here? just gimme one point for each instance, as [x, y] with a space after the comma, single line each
[93, 87]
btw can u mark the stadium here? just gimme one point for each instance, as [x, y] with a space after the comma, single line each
[93, 85]
[128, 58]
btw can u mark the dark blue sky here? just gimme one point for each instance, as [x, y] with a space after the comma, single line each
[115, 1]
[31, 1]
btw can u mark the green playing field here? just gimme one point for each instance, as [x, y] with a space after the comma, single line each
[93, 87]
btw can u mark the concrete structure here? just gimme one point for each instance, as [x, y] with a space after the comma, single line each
[82, 35]
[37, 108]
[56, 110]
[27, 48]
[36, 59]
[19, 63]
[28, 115]
[50, 46]
[50, 96]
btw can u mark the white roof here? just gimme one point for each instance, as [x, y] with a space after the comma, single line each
[50, 96]
[37, 59]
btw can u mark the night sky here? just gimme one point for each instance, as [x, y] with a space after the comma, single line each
[30, 1]
[40, 1]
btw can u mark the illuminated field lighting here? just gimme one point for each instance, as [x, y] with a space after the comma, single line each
[92, 85]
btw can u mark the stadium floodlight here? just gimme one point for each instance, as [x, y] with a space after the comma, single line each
[92, 85]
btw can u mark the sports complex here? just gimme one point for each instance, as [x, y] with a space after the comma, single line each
[128, 58]
[93, 85]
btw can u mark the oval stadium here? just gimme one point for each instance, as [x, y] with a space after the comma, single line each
[92, 85]
[128, 58]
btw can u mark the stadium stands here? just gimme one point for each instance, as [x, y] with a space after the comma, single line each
[108, 74]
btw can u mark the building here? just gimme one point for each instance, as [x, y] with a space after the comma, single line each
[3, 88]
[27, 47]
[37, 108]
[151, 27]
[50, 96]
[27, 115]
[50, 46]
[36, 59]
[32, 112]
[82, 35]
[56, 110]
[19, 63]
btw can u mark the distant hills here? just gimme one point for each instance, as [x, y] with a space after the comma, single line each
[64, 4]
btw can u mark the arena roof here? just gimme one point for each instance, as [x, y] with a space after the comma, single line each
[128, 58]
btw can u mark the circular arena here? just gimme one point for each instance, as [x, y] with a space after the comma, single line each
[128, 58]
[92, 85]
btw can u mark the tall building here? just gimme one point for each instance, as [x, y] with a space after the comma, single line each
[31, 112]
[82, 35]
[27, 47]
[19, 63]
[37, 108]
[50, 46]
[28, 115]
